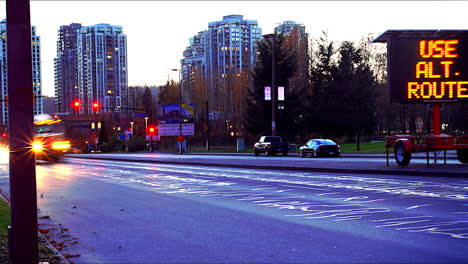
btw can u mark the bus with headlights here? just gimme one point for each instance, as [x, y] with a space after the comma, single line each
[50, 143]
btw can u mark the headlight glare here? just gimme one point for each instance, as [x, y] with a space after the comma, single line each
[37, 146]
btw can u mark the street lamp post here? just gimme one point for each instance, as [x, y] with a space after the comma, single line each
[272, 37]
[180, 111]
[146, 125]
[146, 130]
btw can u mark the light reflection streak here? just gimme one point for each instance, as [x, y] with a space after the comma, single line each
[418, 206]
[209, 181]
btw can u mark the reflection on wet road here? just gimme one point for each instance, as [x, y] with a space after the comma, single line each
[315, 196]
[417, 214]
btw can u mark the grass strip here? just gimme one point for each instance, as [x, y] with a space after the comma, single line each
[45, 253]
[366, 148]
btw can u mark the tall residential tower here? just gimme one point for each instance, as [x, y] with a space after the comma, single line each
[217, 54]
[36, 72]
[66, 68]
[91, 66]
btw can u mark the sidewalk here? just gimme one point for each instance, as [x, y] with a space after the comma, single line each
[347, 164]
[421, 155]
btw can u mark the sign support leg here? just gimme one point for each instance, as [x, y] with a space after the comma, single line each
[436, 119]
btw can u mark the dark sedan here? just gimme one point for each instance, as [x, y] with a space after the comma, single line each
[320, 148]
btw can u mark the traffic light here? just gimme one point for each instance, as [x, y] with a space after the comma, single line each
[76, 105]
[152, 131]
[95, 107]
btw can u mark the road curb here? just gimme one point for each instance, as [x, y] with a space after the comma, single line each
[57, 253]
[304, 169]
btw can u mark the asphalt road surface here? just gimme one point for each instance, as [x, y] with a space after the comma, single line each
[130, 212]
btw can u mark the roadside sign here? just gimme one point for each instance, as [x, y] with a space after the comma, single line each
[155, 137]
[128, 132]
[427, 65]
[267, 93]
[188, 108]
[280, 93]
[188, 129]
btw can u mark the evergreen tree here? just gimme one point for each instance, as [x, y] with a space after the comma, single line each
[350, 100]
[169, 93]
[323, 69]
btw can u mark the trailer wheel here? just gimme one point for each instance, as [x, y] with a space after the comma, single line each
[462, 155]
[402, 157]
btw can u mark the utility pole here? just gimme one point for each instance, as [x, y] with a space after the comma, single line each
[180, 111]
[207, 127]
[23, 237]
[273, 88]
[272, 38]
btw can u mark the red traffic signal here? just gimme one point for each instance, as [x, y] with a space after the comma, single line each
[95, 107]
[152, 130]
[76, 104]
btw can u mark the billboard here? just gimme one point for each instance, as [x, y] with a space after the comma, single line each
[168, 120]
[428, 68]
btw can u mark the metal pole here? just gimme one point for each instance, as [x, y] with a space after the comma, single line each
[23, 197]
[436, 119]
[146, 125]
[146, 130]
[273, 89]
[207, 127]
[180, 112]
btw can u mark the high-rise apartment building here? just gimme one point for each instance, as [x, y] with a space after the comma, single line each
[192, 65]
[222, 51]
[36, 72]
[91, 61]
[296, 40]
[288, 27]
[66, 68]
[231, 44]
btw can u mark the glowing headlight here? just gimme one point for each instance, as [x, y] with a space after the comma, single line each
[61, 145]
[37, 146]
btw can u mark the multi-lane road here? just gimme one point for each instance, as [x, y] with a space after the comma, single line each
[132, 212]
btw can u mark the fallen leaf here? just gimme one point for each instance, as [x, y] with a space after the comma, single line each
[43, 231]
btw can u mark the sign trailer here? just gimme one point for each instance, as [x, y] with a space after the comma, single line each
[427, 66]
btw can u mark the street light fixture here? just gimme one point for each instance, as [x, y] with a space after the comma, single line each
[146, 125]
[180, 111]
[272, 38]
[146, 130]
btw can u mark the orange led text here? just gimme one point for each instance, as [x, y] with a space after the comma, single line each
[438, 90]
[437, 59]
[438, 48]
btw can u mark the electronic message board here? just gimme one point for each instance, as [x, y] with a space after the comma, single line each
[428, 69]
